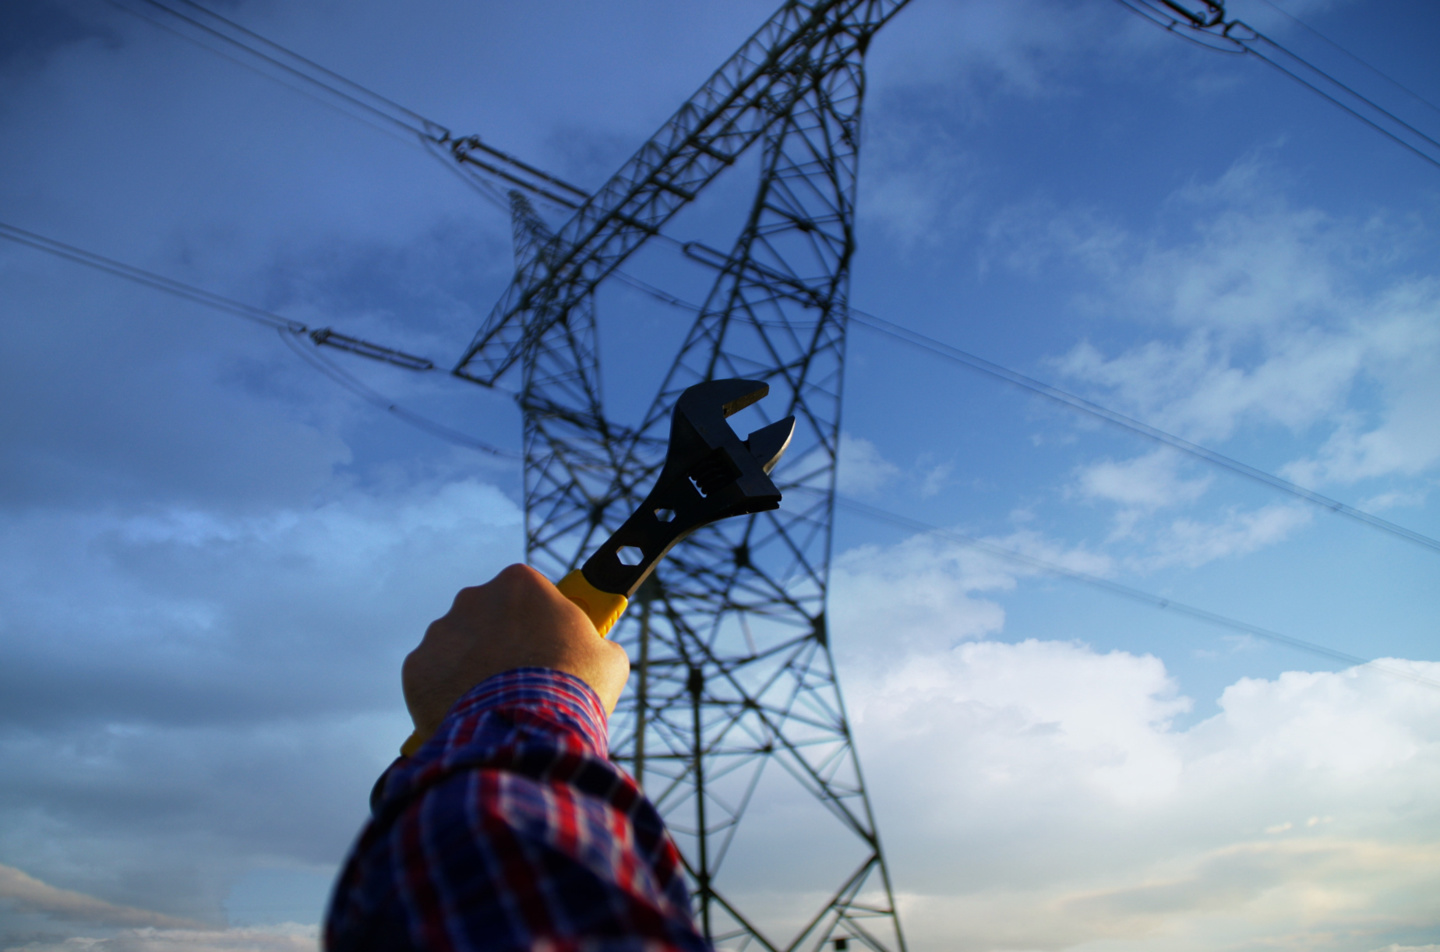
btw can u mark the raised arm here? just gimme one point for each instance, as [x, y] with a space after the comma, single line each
[510, 828]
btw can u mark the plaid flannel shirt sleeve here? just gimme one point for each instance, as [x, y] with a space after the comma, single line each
[511, 829]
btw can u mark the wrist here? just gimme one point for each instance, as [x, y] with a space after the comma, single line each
[549, 693]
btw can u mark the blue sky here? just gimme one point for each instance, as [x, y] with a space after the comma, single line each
[214, 559]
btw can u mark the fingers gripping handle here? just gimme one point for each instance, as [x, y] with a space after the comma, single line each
[602, 608]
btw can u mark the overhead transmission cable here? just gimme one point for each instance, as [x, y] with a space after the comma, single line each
[1122, 590]
[312, 77]
[152, 280]
[1349, 55]
[197, 24]
[329, 337]
[289, 330]
[1211, 29]
[435, 137]
[1077, 403]
[451, 435]
[1165, 12]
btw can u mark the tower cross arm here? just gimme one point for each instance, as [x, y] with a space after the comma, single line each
[752, 90]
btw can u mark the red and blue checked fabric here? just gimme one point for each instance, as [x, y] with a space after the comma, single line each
[511, 829]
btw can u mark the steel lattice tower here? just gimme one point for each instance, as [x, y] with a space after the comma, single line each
[734, 699]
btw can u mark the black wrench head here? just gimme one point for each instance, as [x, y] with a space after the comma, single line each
[704, 449]
[709, 474]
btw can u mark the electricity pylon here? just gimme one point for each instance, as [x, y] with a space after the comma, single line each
[736, 726]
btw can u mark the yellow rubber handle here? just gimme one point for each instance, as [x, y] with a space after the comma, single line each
[602, 608]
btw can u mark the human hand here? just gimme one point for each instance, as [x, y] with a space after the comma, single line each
[517, 619]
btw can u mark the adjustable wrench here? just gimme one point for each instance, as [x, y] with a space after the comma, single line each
[709, 474]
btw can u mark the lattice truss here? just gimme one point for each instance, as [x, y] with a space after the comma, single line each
[733, 722]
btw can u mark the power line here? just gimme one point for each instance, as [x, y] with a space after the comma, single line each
[980, 364]
[430, 132]
[433, 133]
[308, 78]
[1348, 91]
[1236, 36]
[427, 129]
[289, 330]
[1168, 22]
[151, 279]
[1383, 75]
[312, 76]
[362, 96]
[1013, 377]
[377, 399]
[1122, 590]
[390, 127]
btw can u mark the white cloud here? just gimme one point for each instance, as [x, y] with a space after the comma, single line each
[933, 476]
[1146, 483]
[1392, 500]
[1098, 715]
[1075, 815]
[1045, 795]
[236, 671]
[1268, 315]
[1405, 439]
[1193, 542]
[294, 937]
[28, 894]
[862, 470]
[922, 589]
[922, 592]
[1198, 388]
[32, 909]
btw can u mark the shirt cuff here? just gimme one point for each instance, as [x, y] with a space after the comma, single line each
[563, 709]
[551, 694]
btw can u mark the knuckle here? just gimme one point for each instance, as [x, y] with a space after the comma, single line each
[520, 585]
[516, 572]
[618, 654]
[520, 576]
[467, 597]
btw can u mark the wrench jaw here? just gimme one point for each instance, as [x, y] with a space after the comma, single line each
[769, 443]
[709, 474]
